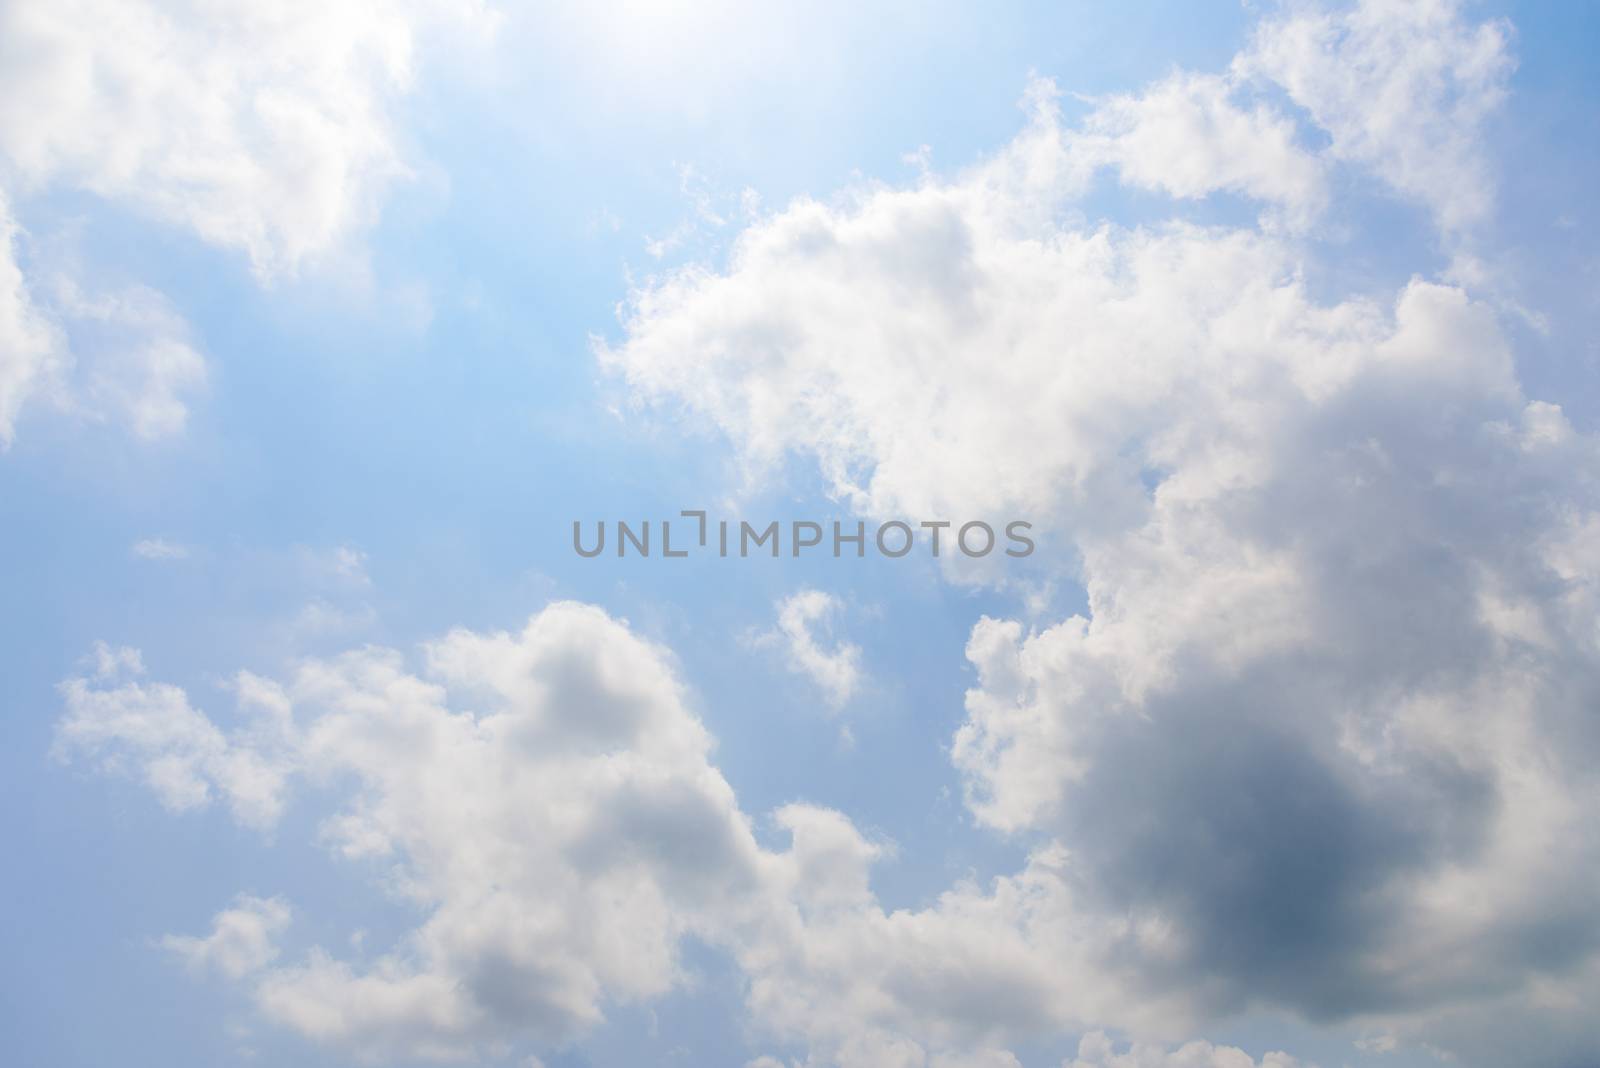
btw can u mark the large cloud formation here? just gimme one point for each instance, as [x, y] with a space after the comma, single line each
[1321, 740]
[547, 802]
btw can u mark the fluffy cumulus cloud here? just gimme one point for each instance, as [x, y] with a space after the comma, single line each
[1319, 740]
[1008, 320]
[243, 938]
[150, 731]
[544, 797]
[1400, 87]
[261, 128]
[1196, 134]
[548, 803]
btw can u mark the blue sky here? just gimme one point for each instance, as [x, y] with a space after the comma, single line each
[503, 269]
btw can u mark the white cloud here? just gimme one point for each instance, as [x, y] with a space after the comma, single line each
[805, 633]
[111, 661]
[159, 549]
[787, 349]
[265, 129]
[350, 564]
[1096, 1050]
[118, 355]
[151, 730]
[338, 570]
[242, 939]
[321, 618]
[1189, 137]
[562, 838]
[863, 987]
[1381, 1043]
[1402, 87]
[30, 345]
[135, 362]
[1318, 741]
[559, 840]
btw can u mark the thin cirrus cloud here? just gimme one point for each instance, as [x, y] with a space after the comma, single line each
[264, 129]
[1319, 742]
[121, 355]
[159, 549]
[805, 633]
[30, 347]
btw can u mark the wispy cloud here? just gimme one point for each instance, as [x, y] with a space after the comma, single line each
[159, 549]
[806, 635]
